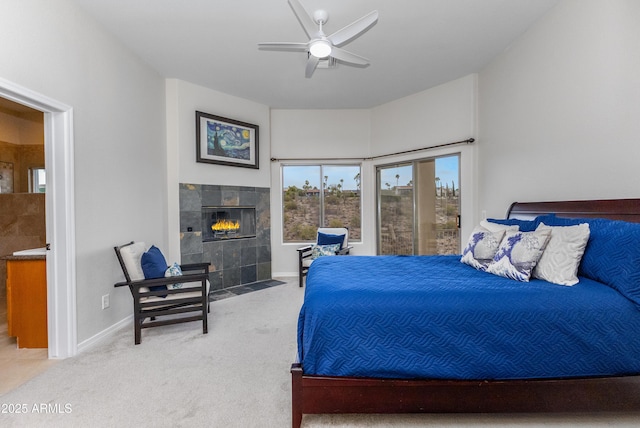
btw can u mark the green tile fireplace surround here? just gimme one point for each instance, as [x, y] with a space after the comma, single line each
[236, 258]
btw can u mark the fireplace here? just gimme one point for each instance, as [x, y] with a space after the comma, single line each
[225, 222]
[239, 258]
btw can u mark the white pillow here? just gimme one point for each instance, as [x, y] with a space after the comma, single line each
[518, 254]
[495, 227]
[560, 260]
[481, 247]
[132, 258]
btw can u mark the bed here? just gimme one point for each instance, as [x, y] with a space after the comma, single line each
[529, 347]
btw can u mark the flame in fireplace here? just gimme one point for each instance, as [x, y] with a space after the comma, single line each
[225, 226]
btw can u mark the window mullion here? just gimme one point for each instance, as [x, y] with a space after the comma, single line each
[322, 185]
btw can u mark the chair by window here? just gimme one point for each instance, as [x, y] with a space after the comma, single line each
[329, 241]
[166, 297]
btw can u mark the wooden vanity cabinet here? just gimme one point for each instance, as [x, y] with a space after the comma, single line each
[27, 301]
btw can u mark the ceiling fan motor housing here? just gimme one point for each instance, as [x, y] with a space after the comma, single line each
[320, 16]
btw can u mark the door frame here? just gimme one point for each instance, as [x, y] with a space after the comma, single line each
[60, 216]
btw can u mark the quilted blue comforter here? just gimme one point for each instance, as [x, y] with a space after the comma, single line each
[434, 317]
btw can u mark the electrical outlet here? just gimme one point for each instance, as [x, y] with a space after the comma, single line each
[105, 301]
[484, 214]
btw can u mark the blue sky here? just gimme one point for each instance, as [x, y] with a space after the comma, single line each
[446, 170]
[296, 176]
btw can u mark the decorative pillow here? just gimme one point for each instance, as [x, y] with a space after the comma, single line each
[561, 258]
[324, 250]
[518, 254]
[154, 265]
[495, 227]
[481, 248]
[173, 270]
[523, 225]
[132, 259]
[329, 239]
[612, 255]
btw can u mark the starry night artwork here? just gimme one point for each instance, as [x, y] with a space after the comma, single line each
[226, 141]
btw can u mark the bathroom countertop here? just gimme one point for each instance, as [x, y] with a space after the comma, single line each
[29, 257]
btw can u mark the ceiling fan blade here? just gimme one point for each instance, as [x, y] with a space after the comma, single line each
[308, 24]
[351, 58]
[311, 66]
[284, 46]
[354, 29]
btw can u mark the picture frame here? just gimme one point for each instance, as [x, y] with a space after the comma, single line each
[224, 141]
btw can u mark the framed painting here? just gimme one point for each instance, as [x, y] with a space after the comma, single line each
[226, 141]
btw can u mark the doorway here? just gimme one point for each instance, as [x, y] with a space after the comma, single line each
[419, 206]
[60, 212]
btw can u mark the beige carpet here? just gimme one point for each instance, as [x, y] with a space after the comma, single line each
[235, 376]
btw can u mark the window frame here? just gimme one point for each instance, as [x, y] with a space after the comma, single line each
[413, 162]
[321, 220]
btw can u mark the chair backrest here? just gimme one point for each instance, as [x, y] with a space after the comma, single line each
[336, 231]
[130, 256]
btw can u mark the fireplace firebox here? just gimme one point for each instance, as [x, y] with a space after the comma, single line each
[221, 223]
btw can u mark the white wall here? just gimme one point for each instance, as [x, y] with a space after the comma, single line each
[183, 99]
[439, 115]
[310, 135]
[559, 110]
[54, 49]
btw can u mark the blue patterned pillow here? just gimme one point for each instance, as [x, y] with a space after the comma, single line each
[482, 246]
[173, 270]
[518, 254]
[324, 250]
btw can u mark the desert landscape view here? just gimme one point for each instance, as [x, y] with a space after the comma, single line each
[342, 209]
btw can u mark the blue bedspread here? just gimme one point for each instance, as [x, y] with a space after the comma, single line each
[434, 317]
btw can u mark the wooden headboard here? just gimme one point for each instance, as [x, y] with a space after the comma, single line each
[615, 209]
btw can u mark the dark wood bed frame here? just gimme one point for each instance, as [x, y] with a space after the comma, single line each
[330, 395]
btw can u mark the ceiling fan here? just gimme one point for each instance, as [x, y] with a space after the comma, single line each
[323, 47]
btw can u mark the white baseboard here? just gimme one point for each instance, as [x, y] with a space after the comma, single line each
[97, 338]
[284, 274]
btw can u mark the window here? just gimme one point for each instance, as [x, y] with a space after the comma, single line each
[37, 180]
[418, 207]
[320, 196]
[395, 208]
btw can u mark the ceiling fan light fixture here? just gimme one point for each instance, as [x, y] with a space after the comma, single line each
[324, 51]
[320, 48]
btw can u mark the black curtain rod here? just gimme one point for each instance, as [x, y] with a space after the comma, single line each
[467, 141]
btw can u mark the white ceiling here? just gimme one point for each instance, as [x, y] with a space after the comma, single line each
[20, 111]
[416, 44]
